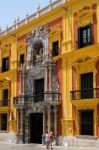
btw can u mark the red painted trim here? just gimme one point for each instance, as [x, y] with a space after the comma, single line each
[97, 123]
[94, 7]
[74, 78]
[55, 23]
[75, 34]
[74, 120]
[97, 77]
[59, 74]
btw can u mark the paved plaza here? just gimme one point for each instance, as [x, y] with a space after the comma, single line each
[10, 146]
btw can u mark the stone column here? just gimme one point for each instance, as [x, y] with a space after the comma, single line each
[22, 83]
[46, 79]
[21, 121]
[19, 83]
[50, 78]
[20, 126]
[49, 120]
[44, 122]
[17, 121]
[55, 121]
[23, 80]
[44, 127]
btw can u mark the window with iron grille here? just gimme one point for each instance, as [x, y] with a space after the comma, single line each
[5, 97]
[3, 122]
[87, 85]
[5, 64]
[85, 37]
[55, 48]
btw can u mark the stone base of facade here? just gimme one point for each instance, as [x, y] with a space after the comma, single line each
[82, 141]
[19, 139]
[87, 141]
[55, 140]
[8, 137]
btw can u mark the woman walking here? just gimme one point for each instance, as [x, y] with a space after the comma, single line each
[51, 139]
[47, 140]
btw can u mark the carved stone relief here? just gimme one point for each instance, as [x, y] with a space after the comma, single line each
[37, 44]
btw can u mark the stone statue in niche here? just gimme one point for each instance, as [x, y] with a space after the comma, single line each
[37, 52]
[37, 47]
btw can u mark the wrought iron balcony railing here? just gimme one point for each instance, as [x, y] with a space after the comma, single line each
[4, 103]
[38, 61]
[85, 94]
[35, 62]
[27, 99]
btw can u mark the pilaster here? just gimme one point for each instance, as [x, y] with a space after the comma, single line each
[67, 121]
[55, 121]
[50, 78]
[49, 120]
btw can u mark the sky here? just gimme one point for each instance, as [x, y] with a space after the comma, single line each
[10, 9]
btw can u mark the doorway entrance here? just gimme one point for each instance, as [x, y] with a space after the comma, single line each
[36, 127]
[86, 122]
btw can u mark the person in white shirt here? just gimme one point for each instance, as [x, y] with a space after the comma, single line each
[47, 140]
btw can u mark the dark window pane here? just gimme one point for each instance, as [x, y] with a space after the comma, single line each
[5, 97]
[55, 48]
[22, 59]
[84, 36]
[3, 122]
[5, 64]
[39, 90]
[87, 85]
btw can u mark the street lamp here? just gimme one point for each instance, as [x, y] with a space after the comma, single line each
[51, 107]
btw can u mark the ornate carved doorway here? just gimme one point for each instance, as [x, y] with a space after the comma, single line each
[36, 127]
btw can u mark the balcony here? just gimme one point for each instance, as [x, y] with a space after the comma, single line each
[85, 94]
[34, 16]
[87, 97]
[4, 103]
[38, 61]
[48, 98]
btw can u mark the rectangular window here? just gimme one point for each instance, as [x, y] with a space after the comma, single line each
[55, 48]
[85, 36]
[3, 122]
[5, 64]
[5, 97]
[39, 90]
[87, 85]
[21, 59]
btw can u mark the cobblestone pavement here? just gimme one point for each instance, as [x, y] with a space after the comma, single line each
[10, 146]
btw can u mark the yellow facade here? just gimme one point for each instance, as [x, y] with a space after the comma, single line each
[82, 59]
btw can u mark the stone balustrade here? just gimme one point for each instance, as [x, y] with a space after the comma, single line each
[30, 18]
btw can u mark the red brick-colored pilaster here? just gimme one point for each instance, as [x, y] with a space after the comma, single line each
[75, 31]
[94, 7]
[97, 127]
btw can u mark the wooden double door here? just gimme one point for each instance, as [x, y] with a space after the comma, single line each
[36, 127]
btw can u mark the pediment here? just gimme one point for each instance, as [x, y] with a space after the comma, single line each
[84, 14]
[84, 17]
